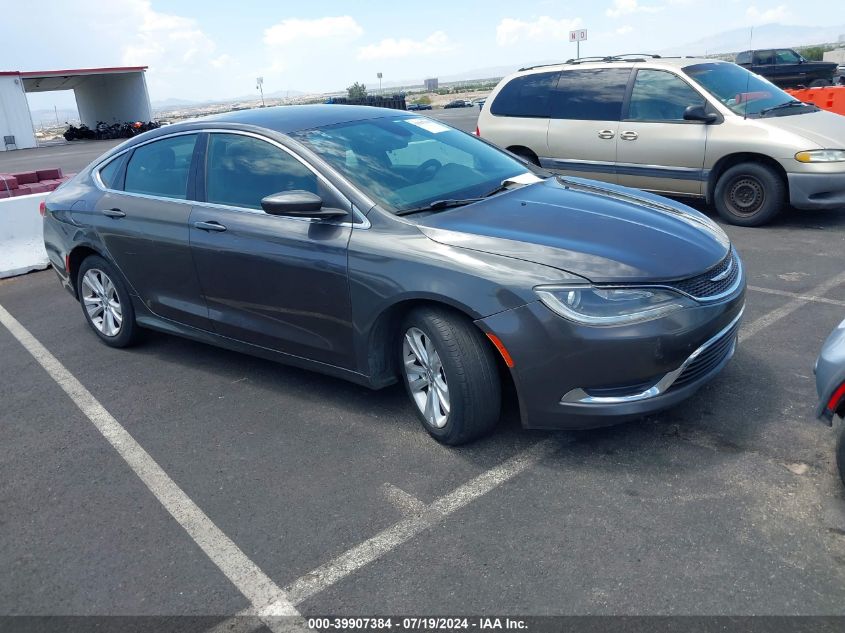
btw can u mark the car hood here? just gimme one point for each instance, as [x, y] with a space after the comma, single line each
[825, 129]
[602, 232]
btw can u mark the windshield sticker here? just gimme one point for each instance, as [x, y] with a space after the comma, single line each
[428, 125]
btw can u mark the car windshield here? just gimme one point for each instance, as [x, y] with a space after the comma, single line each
[740, 90]
[407, 163]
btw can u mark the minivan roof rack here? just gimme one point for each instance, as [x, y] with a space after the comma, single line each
[624, 57]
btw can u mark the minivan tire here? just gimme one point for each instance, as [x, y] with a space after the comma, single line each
[750, 194]
[128, 332]
[466, 365]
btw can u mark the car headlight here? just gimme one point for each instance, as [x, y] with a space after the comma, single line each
[590, 305]
[821, 156]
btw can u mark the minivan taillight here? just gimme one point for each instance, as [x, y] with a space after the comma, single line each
[836, 398]
[42, 209]
[477, 131]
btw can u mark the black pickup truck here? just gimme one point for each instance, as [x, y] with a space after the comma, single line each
[786, 68]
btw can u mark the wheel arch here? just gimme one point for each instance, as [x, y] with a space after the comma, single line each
[74, 261]
[380, 360]
[525, 152]
[728, 161]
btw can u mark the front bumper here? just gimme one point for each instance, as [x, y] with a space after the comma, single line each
[816, 191]
[570, 376]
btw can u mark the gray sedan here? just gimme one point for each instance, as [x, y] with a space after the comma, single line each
[830, 384]
[379, 246]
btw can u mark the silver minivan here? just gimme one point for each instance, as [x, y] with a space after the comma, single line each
[677, 126]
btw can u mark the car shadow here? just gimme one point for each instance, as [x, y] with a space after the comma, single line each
[718, 416]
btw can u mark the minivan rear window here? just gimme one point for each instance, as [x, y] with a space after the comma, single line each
[526, 96]
[590, 94]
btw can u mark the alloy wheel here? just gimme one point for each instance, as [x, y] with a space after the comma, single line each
[426, 377]
[101, 301]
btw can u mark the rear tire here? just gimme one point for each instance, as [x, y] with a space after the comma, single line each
[750, 194]
[106, 303]
[450, 375]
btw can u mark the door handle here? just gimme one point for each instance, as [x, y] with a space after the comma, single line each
[629, 136]
[211, 226]
[114, 213]
[606, 134]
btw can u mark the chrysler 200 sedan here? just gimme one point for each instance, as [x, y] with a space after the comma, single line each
[377, 246]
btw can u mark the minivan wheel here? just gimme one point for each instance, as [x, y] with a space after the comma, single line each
[106, 303]
[450, 375]
[750, 194]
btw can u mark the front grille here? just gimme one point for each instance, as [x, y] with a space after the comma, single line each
[708, 359]
[703, 287]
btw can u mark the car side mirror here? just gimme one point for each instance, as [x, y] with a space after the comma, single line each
[298, 204]
[698, 113]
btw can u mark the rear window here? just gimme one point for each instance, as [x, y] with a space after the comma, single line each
[526, 96]
[591, 94]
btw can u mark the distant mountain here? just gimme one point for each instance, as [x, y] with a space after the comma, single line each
[171, 103]
[47, 117]
[766, 36]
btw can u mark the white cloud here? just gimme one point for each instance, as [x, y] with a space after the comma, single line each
[776, 14]
[627, 7]
[166, 42]
[623, 30]
[390, 48]
[512, 30]
[319, 30]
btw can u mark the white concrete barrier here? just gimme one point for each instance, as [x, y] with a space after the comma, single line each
[21, 235]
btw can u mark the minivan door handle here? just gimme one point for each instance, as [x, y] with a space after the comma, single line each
[629, 136]
[606, 134]
[114, 213]
[209, 226]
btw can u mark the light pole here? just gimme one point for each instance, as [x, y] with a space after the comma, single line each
[260, 85]
[379, 83]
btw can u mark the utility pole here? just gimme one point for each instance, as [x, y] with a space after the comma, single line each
[260, 85]
[379, 83]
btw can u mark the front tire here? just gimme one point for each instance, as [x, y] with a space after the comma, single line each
[450, 375]
[750, 194]
[106, 303]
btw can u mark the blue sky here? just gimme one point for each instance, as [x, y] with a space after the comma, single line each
[202, 50]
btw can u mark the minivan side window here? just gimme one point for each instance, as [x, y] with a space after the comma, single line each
[241, 170]
[161, 168]
[659, 95]
[590, 94]
[526, 96]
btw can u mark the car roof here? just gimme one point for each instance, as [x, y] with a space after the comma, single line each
[293, 118]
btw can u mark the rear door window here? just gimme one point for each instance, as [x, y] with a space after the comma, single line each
[526, 96]
[590, 94]
[659, 95]
[161, 168]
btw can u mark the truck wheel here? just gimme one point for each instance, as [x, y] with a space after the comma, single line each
[750, 194]
[819, 83]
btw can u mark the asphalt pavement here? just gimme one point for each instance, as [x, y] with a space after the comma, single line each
[726, 505]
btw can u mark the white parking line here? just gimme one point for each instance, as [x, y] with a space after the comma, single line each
[267, 598]
[353, 559]
[405, 502]
[777, 314]
[795, 295]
